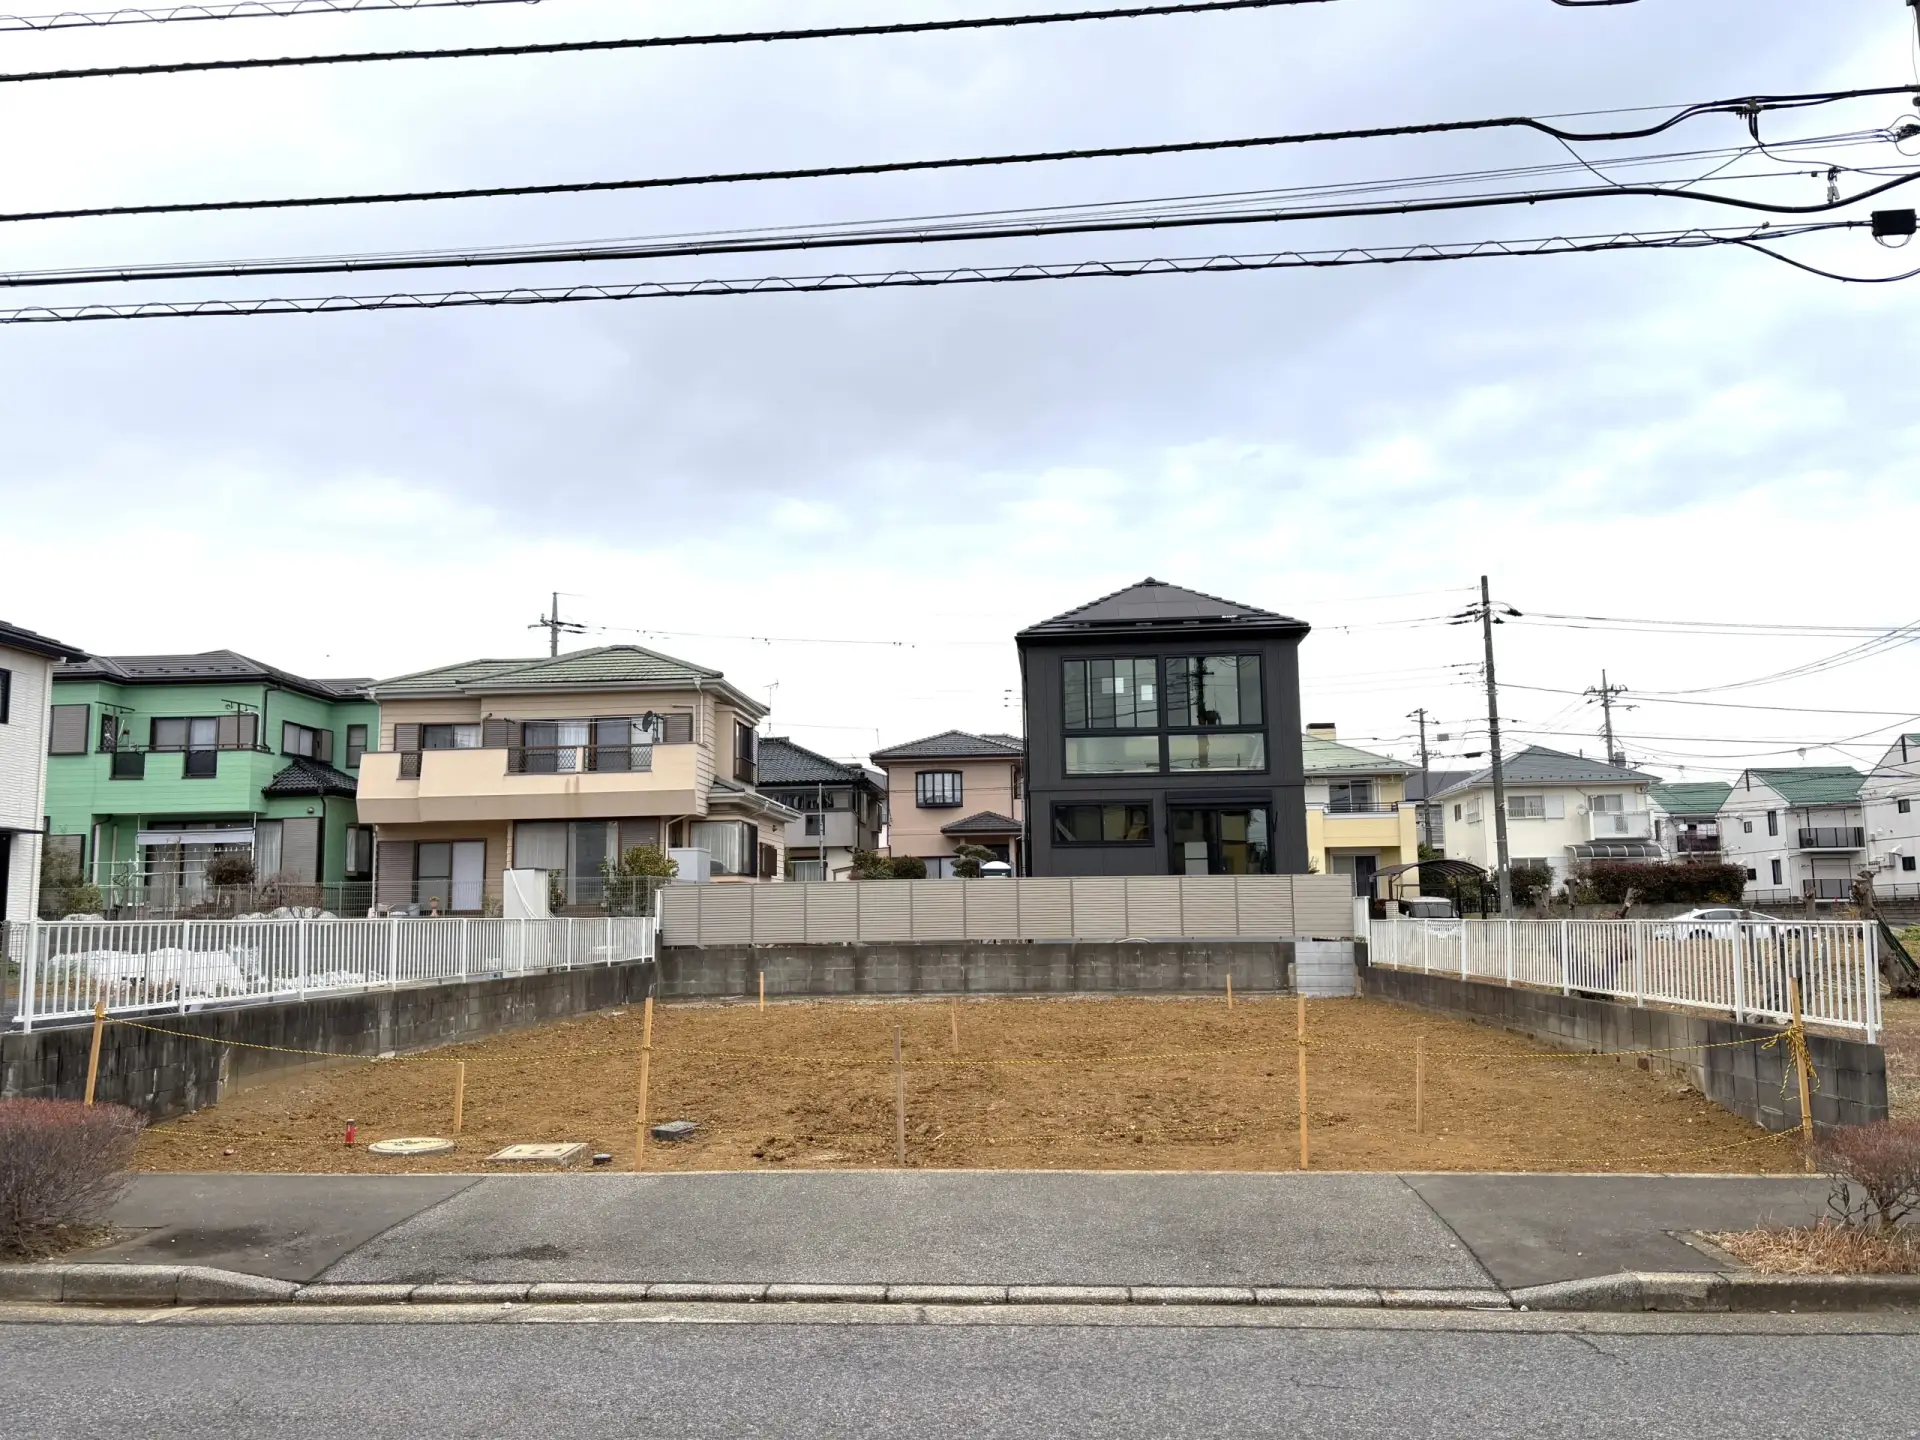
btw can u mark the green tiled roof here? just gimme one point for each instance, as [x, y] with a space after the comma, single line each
[1813, 784]
[1331, 757]
[1691, 797]
[605, 665]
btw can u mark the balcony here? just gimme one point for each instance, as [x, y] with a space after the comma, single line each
[559, 782]
[1619, 825]
[1696, 842]
[1834, 837]
[1827, 889]
[1339, 806]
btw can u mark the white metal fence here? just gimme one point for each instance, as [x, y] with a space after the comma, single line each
[1741, 968]
[1158, 907]
[146, 965]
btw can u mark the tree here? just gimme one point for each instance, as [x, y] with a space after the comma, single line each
[970, 859]
[1530, 882]
[632, 879]
[871, 865]
[908, 867]
[64, 890]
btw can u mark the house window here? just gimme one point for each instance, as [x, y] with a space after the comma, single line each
[1773, 825]
[1606, 804]
[129, 765]
[449, 737]
[936, 789]
[359, 852]
[356, 745]
[1217, 752]
[732, 845]
[1205, 691]
[1746, 827]
[1903, 806]
[69, 733]
[813, 824]
[198, 736]
[1776, 870]
[1110, 695]
[1113, 755]
[450, 875]
[1456, 812]
[305, 741]
[1102, 824]
[6, 696]
[109, 733]
[1350, 797]
[1752, 874]
[1907, 862]
[746, 753]
[1526, 807]
[807, 871]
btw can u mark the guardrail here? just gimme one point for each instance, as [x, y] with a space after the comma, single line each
[136, 966]
[1741, 968]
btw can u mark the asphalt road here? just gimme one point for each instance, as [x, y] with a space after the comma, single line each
[700, 1381]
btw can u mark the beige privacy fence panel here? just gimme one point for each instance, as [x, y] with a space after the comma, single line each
[1170, 907]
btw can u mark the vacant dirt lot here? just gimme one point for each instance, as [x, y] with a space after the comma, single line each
[1901, 1039]
[1148, 1084]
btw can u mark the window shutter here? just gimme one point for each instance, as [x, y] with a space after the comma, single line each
[498, 734]
[72, 724]
[1556, 807]
[300, 849]
[6, 696]
[406, 738]
[227, 733]
[679, 729]
[323, 747]
[393, 872]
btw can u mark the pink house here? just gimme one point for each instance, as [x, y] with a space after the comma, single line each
[954, 789]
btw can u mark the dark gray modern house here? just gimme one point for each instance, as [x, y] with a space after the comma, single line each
[1163, 737]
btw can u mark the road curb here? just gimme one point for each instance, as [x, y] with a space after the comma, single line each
[1688, 1292]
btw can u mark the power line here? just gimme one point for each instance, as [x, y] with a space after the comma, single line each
[657, 42]
[893, 167]
[915, 279]
[1717, 625]
[1652, 699]
[233, 10]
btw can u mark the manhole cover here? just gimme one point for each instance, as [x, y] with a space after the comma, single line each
[411, 1145]
[674, 1130]
[563, 1153]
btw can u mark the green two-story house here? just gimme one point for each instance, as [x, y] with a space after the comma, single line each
[159, 765]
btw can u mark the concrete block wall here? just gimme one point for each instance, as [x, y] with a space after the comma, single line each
[979, 968]
[162, 1075]
[1746, 1079]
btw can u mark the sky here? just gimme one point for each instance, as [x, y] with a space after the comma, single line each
[850, 502]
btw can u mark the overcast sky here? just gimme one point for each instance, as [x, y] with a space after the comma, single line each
[1705, 435]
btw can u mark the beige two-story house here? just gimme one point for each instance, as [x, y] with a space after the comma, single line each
[955, 789]
[560, 765]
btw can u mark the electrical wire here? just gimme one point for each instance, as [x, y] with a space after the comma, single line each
[657, 42]
[232, 10]
[894, 167]
[1714, 626]
[1640, 697]
[900, 279]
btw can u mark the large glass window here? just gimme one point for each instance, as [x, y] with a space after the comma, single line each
[1217, 752]
[1102, 824]
[1221, 842]
[1111, 695]
[1213, 690]
[450, 875]
[936, 789]
[731, 844]
[1113, 754]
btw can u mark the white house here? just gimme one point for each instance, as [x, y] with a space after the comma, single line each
[1890, 811]
[1561, 810]
[26, 699]
[1797, 831]
[1686, 818]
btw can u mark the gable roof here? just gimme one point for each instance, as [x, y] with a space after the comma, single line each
[1813, 784]
[1537, 765]
[1691, 797]
[1330, 757]
[604, 667]
[310, 777]
[784, 763]
[1154, 604]
[207, 667]
[954, 745]
[1435, 782]
[986, 822]
[16, 637]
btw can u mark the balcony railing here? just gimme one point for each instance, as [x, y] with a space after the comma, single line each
[1694, 842]
[1833, 837]
[1620, 825]
[579, 759]
[1362, 807]
[1827, 889]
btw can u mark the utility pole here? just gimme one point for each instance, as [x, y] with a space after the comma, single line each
[554, 626]
[1605, 695]
[1504, 875]
[1426, 781]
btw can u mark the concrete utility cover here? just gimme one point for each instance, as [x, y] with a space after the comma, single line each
[674, 1130]
[564, 1153]
[411, 1145]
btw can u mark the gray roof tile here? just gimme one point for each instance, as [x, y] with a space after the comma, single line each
[208, 667]
[310, 777]
[605, 665]
[1537, 765]
[784, 763]
[1155, 603]
[18, 637]
[986, 822]
[953, 745]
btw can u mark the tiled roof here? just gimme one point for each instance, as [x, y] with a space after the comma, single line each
[1154, 603]
[19, 638]
[987, 822]
[1331, 757]
[208, 667]
[1436, 781]
[310, 777]
[1691, 797]
[1537, 765]
[953, 745]
[610, 666]
[784, 763]
[1813, 784]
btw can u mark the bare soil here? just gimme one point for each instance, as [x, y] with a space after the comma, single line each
[1134, 1084]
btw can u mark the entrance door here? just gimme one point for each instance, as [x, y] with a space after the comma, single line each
[1365, 867]
[1228, 841]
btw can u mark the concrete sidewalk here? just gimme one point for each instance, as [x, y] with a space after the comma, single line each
[947, 1227]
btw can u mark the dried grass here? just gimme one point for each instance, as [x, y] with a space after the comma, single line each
[1824, 1249]
[61, 1165]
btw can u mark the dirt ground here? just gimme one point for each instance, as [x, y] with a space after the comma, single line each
[1153, 1084]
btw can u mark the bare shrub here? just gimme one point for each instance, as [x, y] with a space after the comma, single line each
[1883, 1161]
[61, 1163]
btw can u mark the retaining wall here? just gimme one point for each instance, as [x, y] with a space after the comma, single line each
[1013, 968]
[1746, 1079]
[164, 1075]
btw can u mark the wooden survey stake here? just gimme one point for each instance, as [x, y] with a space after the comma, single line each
[93, 1055]
[646, 1062]
[1300, 1019]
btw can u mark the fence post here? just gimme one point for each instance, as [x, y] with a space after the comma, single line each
[1426, 946]
[393, 953]
[1465, 936]
[1566, 958]
[30, 974]
[1742, 950]
[300, 948]
[186, 962]
[1507, 937]
[609, 951]
[463, 949]
[1870, 977]
[1639, 963]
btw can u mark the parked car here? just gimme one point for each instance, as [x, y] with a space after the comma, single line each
[1426, 907]
[1721, 921]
